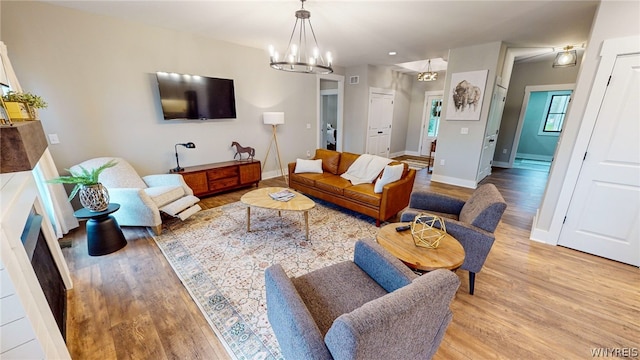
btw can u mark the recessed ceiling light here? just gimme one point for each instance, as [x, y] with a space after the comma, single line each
[392, 53]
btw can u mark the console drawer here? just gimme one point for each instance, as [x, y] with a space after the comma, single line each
[222, 173]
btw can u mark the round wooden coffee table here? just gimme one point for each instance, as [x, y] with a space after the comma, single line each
[260, 198]
[448, 255]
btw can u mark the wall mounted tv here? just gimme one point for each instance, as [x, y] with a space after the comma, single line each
[187, 97]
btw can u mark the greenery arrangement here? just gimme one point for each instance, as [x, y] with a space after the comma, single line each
[82, 178]
[32, 100]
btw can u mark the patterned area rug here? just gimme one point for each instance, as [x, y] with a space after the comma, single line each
[222, 266]
[416, 164]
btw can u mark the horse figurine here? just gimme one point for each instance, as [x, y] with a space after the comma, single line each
[251, 152]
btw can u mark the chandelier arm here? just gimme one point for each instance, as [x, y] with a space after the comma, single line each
[293, 32]
[313, 33]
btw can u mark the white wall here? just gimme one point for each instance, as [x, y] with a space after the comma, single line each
[461, 153]
[613, 19]
[357, 105]
[412, 145]
[527, 74]
[97, 74]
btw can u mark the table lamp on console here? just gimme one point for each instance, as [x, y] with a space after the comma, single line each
[188, 145]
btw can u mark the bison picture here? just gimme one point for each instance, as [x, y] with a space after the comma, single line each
[465, 95]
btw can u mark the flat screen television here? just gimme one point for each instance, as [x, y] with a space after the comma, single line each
[188, 97]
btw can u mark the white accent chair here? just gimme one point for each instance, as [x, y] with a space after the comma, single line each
[142, 199]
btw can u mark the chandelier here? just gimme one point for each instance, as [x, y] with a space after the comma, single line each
[428, 75]
[302, 55]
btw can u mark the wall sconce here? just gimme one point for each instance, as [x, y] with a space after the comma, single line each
[188, 145]
[566, 58]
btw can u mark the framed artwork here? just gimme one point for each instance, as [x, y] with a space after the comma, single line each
[467, 92]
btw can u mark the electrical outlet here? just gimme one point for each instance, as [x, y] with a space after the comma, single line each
[308, 153]
[464, 131]
[504, 151]
[442, 162]
[53, 139]
[308, 126]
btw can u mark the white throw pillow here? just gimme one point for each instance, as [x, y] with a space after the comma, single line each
[308, 166]
[389, 175]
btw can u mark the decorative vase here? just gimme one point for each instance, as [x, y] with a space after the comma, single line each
[94, 197]
[427, 230]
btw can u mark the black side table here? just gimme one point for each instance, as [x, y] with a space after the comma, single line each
[104, 235]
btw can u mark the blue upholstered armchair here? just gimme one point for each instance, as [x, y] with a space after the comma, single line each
[471, 222]
[373, 307]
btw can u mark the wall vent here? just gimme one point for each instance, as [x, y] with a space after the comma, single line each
[354, 80]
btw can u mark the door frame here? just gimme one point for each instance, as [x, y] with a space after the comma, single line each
[609, 52]
[523, 111]
[426, 109]
[339, 126]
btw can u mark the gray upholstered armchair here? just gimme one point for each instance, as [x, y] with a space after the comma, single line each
[142, 199]
[373, 307]
[472, 222]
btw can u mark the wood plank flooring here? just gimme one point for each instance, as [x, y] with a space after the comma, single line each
[531, 300]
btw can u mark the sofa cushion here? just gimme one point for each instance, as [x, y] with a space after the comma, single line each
[330, 160]
[323, 291]
[308, 179]
[162, 195]
[334, 184]
[363, 193]
[308, 166]
[389, 175]
[346, 160]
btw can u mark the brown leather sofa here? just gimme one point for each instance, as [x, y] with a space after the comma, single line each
[331, 187]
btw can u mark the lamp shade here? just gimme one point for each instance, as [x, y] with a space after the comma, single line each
[273, 118]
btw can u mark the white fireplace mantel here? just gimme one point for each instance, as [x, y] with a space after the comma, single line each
[27, 326]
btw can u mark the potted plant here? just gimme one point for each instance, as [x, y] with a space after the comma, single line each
[33, 101]
[93, 195]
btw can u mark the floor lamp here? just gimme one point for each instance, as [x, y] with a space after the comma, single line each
[274, 119]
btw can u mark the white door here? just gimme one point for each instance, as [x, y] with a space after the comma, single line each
[491, 133]
[604, 214]
[380, 118]
[430, 121]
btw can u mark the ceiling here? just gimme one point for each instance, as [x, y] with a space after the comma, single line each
[364, 32]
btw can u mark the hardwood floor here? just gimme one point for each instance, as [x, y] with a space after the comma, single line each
[531, 300]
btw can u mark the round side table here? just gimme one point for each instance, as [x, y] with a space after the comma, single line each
[104, 235]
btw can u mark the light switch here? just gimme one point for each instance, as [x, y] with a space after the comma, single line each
[308, 126]
[53, 139]
[464, 131]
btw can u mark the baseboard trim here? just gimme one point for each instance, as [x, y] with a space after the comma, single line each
[534, 157]
[454, 181]
[501, 164]
[538, 234]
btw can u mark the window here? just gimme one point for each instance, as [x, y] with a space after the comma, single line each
[434, 117]
[555, 113]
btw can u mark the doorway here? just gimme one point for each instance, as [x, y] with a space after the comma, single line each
[540, 125]
[329, 118]
[330, 112]
[430, 121]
